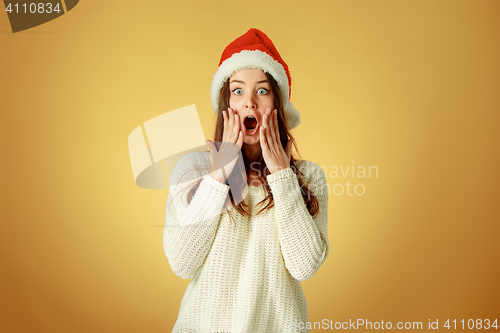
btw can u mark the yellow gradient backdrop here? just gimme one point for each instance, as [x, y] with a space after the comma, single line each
[410, 87]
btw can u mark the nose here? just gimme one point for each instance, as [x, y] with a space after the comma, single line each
[250, 103]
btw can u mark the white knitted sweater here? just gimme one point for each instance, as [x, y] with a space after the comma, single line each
[244, 272]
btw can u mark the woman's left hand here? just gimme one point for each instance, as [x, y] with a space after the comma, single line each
[275, 156]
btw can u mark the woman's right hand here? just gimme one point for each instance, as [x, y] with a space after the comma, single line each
[224, 160]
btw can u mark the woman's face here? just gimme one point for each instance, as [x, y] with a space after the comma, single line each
[250, 95]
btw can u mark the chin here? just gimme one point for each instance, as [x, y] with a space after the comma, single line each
[251, 141]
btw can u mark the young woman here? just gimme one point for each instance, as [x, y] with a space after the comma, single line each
[247, 229]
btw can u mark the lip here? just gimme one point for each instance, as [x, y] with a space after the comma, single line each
[256, 127]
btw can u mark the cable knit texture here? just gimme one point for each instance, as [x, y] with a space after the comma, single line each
[244, 272]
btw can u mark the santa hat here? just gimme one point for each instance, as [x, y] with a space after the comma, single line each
[255, 50]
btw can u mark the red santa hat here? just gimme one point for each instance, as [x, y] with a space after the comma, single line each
[255, 50]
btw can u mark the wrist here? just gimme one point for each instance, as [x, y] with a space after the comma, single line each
[278, 169]
[218, 175]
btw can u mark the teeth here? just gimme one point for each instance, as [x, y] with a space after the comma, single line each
[250, 116]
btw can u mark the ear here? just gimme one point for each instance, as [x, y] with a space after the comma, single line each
[288, 148]
[213, 152]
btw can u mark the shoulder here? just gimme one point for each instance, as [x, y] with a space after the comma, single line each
[192, 165]
[194, 159]
[310, 172]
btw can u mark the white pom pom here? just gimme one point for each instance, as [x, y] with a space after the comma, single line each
[292, 116]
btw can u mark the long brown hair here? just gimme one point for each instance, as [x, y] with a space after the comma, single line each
[238, 184]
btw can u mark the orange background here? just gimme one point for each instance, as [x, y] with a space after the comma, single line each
[408, 86]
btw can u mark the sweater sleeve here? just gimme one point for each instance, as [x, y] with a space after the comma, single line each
[303, 239]
[190, 229]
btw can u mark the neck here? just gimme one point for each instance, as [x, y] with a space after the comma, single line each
[252, 152]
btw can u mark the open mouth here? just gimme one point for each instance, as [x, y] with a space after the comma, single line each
[250, 123]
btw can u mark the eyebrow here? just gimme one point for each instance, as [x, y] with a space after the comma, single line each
[238, 81]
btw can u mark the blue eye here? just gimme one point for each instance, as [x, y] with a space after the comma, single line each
[262, 91]
[238, 91]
